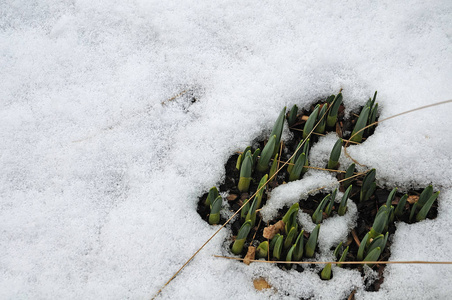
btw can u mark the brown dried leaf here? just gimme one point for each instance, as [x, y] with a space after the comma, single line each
[412, 199]
[304, 117]
[260, 284]
[232, 197]
[250, 255]
[272, 230]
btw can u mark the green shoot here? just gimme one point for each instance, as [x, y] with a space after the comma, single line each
[214, 217]
[335, 154]
[343, 206]
[245, 172]
[311, 244]
[266, 154]
[332, 114]
[292, 118]
[426, 208]
[237, 247]
[310, 123]
[360, 124]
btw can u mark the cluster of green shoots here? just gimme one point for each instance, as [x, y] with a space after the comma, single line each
[289, 241]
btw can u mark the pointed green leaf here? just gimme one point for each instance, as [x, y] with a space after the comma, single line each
[293, 209]
[332, 114]
[245, 209]
[277, 130]
[343, 206]
[289, 256]
[413, 211]
[251, 215]
[424, 196]
[357, 134]
[266, 154]
[343, 256]
[299, 246]
[348, 174]
[362, 247]
[212, 195]
[322, 120]
[335, 154]
[245, 173]
[273, 241]
[291, 236]
[274, 166]
[214, 217]
[310, 123]
[239, 162]
[401, 206]
[379, 224]
[391, 197]
[260, 190]
[336, 251]
[426, 208]
[330, 205]
[262, 250]
[256, 156]
[278, 247]
[373, 256]
[311, 244]
[326, 272]
[298, 168]
[292, 118]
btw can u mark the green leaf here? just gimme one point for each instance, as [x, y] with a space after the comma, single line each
[335, 154]
[349, 173]
[343, 256]
[291, 236]
[256, 156]
[292, 118]
[214, 217]
[277, 130]
[239, 162]
[289, 256]
[266, 154]
[378, 241]
[278, 247]
[332, 114]
[373, 256]
[245, 172]
[336, 251]
[260, 190]
[326, 272]
[413, 211]
[311, 244]
[360, 124]
[245, 209]
[318, 213]
[299, 246]
[343, 206]
[298, 168]
[329, 207]
[292, 210]
[401, 205]
[424, 196]
[391, 197]
[368, 185]
[330, 99]
[274, 166]
[262, 250]
[426, 208]
[244, 230]
[251, 215]
[310, 123]
[292, 223]
[322, 120]
[212, 195]
[273, 241]
[379, 224]
[362, 247]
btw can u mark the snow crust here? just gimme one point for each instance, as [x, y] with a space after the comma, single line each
[100, 180]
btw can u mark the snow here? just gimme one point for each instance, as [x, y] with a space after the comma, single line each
[100, 180]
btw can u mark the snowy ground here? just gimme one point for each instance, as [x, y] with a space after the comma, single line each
[99, 180]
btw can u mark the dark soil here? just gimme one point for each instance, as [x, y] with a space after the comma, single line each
[366, 209]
